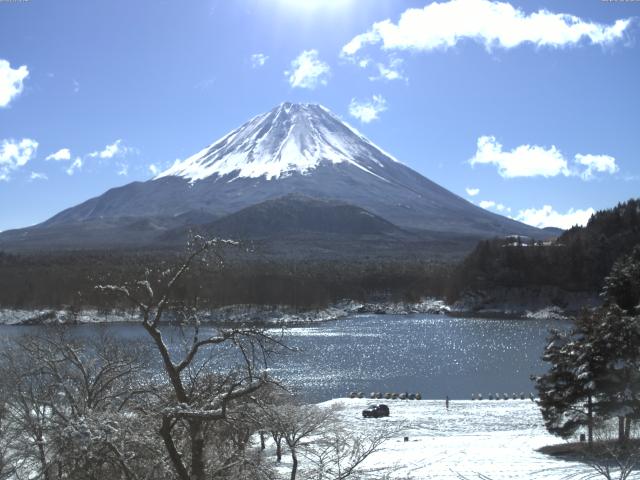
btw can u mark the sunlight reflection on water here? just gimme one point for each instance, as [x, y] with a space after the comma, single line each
[431, 354]
[435, 355]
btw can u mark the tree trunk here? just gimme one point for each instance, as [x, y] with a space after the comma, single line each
[621, 429]
[294, 464]
[590, 421]
[174, 456]
[43, 459]
[262, 441]
[169, 367]
[197, 449]
[627, 428]
[278, 440]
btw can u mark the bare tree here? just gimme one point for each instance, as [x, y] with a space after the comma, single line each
[201, 391]
[69, 406]
[616, 463]
[27, 411]
[339, 454]
[296, 424]
[7, 434]
[316, 435]
[609, 458]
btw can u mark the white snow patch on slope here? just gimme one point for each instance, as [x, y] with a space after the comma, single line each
[292, 138]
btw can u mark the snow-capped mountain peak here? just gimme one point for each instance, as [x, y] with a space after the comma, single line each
[291, 138]
[292, 151]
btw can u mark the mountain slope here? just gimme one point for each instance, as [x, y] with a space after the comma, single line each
[293, 149]
[294, 214]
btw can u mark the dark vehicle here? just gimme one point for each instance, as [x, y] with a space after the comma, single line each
[375, 411]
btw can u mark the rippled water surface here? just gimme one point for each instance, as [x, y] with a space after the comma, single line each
[432, 354]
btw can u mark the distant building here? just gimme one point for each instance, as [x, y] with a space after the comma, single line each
[517, 241]
[525, 241]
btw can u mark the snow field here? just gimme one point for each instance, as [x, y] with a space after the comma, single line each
[472, 440]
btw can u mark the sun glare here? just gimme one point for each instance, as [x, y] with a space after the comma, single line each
[312, 5]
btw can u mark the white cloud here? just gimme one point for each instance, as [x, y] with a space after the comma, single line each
[258, 60]
[14, 155]
[123, 170]
[11, 81]
[392, 71]
[534, 160]
[154, 169]
[441, 25]
[117, 148]
[523, 161]
[596, 163]
[548, 217]
[63, 154]
[472, 192]
[308, 71]
[368, 110]
[38, 176]
[76, 86]
[491, 205]
[76, 165]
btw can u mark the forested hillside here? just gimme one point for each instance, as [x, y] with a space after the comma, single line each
[578, 260]
[65, 280]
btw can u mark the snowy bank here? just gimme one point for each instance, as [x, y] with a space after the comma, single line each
[266, 314]
[473, 439]
[229, 314]
[63, 317]
[549, 303]
[427, 305]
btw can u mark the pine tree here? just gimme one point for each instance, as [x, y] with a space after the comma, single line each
[617, 341]
[595, 369]
[616, 366]
[622, 285]
[566, 390]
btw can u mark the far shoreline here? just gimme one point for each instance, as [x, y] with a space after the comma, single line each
[284, 316]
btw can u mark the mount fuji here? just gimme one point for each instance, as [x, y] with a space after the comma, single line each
[271, 178]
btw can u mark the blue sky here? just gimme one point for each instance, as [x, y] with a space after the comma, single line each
[528, 108]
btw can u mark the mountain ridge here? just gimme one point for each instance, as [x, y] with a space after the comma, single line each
[294, 149]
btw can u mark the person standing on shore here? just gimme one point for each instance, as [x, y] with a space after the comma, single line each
[447, 402]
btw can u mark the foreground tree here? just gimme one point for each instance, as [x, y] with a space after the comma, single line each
[296, 424]
[68, 409]
[615, 340]
[7, 455]
[320, 446]
[339, 454]
[613, 462]
[566, 391]
[201, 388]
[595, 368]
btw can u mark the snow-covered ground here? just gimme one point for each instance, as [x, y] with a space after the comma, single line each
[54, 317]
[472, 440]
[280, 315]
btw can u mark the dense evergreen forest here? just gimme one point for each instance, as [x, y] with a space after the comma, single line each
[578, 260]
[68, 280]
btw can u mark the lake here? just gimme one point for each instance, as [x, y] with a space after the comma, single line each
[432, 354]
